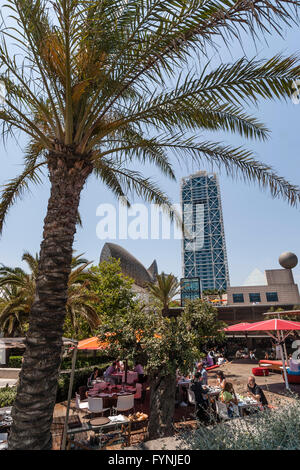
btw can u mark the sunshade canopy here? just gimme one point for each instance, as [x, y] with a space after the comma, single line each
[237, 327]
[275, 324]
[92, 344]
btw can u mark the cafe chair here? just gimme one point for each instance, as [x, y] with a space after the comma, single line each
[124, 403]
[235, 409]
[80, 405]
[221, 409]
[95, 405]
[191, 397]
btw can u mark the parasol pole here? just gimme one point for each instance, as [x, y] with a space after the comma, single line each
[283, 362]
[284, 345]
[64, 439]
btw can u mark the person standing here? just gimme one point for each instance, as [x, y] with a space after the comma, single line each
[203, 374]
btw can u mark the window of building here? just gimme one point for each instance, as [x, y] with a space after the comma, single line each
[272, 296]
[238, 298]
[254, 297]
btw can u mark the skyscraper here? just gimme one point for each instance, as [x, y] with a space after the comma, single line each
[204, 250]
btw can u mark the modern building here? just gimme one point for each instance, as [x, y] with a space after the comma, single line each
[131, 267]
[203, 247]
[248, 303]
[278, 289]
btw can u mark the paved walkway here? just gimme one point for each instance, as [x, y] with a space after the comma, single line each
[10, 382]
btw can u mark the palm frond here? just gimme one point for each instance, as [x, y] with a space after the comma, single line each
[17, 187]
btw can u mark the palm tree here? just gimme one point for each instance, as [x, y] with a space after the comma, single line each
[18, 291]
[13, 312]
[165, 289]
[98, 85]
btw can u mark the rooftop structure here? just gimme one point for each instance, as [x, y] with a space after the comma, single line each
[278, 290]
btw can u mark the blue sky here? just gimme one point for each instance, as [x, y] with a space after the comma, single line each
[257, 228]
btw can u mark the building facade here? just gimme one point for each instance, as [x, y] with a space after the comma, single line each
[203, 249]
[280, 290]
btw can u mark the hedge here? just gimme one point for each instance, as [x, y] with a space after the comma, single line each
[15, 362]
[81, 363]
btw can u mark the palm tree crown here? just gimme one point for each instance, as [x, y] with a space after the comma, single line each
[94, 85]
[165, 289]
[18, 291]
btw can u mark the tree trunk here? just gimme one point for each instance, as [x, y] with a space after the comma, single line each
[36, 392]
[162, 405]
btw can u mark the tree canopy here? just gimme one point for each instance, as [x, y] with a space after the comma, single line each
[165, 344]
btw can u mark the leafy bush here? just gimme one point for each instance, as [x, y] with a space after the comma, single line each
[15, 362]
[7, 396]
[271, 430]
[83, 362]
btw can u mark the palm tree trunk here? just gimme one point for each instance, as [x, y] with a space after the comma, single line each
[162, 405]
[36, 392]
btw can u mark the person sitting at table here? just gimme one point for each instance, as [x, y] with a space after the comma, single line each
[239, 354]
[110, 370]
[221, 379]
[252, 355]
[200, 398]
[228, 397]
[203, 374]
[221, 360]
[94, 375]
[255, 391]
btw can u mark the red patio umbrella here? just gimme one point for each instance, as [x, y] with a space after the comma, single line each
[237, 327]
[275, 324]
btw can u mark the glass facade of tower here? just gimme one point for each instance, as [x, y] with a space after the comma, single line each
[204, 250]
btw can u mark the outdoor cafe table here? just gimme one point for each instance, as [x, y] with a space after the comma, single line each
[249, 404]
[5, 424]
[111, 391]
[5, 418]
[124, 425]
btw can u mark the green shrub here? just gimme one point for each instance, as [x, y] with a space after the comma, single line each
[15, 362]
[7, 396]
[271, 430]
[84, 362]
